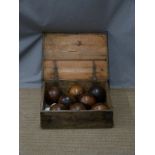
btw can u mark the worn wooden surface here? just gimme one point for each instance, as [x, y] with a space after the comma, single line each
[75, 46]
[72, 70]
[115, 141]
[76, 120]
[80, 119]
[75, 54]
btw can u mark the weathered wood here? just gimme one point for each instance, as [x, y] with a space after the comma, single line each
[75, 55]
[75, 70]
[75, 47]
[81, 119]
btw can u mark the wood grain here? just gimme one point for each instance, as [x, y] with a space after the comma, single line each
[69, 119]
[75, 46]
[75, 54]
[75, 70]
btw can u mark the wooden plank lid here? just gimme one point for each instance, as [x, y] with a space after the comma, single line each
[74, 55]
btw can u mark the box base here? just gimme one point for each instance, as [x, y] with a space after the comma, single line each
[77, 120]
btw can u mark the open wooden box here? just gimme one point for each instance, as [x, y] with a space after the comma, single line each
[75, 55]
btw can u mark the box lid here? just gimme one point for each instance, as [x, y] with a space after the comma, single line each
[75, 55]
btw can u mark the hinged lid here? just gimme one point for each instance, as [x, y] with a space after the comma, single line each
[75, 55]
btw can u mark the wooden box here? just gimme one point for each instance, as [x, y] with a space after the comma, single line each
[75, 56]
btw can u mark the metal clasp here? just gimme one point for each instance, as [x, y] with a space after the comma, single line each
[56, 73]
[94, 77]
